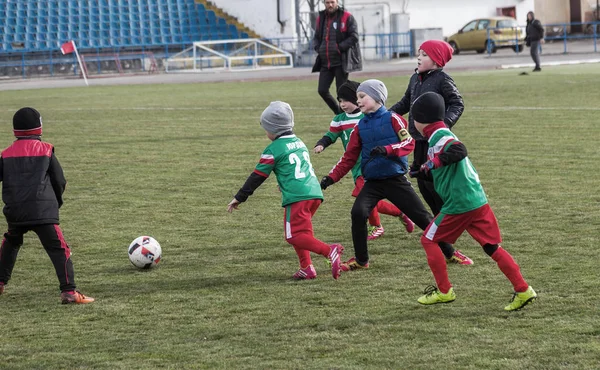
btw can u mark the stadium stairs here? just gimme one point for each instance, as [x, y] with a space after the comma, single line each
[228, 18]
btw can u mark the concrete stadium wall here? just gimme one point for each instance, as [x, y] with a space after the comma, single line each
[261, 16]
[449, 15]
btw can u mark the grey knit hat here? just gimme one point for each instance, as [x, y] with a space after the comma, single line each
[375, 89]
[277, 118]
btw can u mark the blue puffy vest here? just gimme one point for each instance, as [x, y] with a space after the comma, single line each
[376, 129]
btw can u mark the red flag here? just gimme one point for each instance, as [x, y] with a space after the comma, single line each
[68, 47]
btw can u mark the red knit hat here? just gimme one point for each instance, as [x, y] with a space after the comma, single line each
[439, 51]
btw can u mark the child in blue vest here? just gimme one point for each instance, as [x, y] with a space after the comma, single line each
[341, 127]
[381, 142]
[465, 206]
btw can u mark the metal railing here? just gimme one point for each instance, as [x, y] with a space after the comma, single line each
[553, 32]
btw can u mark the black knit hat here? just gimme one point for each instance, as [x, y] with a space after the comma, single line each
[27, 122]
[348, 91]
[428, 108]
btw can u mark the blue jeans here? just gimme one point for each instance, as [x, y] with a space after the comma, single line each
[535, 53]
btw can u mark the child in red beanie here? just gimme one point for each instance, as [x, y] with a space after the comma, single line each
[430, 77]
[32, 188]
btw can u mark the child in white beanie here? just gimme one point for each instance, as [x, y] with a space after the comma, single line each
[381, 142]
[288, 158]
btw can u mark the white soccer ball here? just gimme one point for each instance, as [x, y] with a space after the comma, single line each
[144, 252]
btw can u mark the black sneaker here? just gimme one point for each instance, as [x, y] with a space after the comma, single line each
[537, 69]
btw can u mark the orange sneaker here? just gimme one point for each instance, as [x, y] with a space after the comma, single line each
[75, 296]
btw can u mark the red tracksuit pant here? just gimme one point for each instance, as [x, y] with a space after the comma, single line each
[298, 228]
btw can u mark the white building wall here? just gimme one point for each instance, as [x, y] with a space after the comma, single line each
[373, 16]
[261, 16]
[450, 15]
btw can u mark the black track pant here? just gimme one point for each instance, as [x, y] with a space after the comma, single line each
[426, 187]
[326, 77]
[397, 190]
[54, 243]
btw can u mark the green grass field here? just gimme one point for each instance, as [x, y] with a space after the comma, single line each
[165, 160]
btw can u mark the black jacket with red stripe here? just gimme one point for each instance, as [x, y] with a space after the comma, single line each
[32, 183]
[335, 40]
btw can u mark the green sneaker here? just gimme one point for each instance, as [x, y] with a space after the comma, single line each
[433, 296]
[520, 300]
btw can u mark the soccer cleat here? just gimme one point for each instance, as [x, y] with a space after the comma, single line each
[407, 222]
[334, 258]
[75, 296]
[1, 288]
[520, 300]
[459, 259]
[305, 273]
[433, 296]
[352, 265]
[375, 232]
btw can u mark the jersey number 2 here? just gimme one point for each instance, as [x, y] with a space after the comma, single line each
[294, 159]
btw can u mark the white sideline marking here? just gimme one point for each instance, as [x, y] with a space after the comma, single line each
[557, 63]
[170, 109]
[533, 108]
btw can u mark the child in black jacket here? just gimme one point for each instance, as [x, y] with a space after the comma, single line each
[32, 188]
[430, 77]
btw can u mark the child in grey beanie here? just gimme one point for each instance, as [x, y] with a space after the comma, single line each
[375, 89]
[277, 118]
[288, 158]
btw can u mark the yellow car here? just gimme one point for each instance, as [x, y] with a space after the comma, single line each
[504, 32]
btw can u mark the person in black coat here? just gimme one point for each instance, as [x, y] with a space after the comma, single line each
[430, 77]
[533, 38]
[32, 188]
[338, 51]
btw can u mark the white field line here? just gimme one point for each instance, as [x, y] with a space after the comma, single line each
[79, 109]
[478, 108]
[557, 63]
[534, 108]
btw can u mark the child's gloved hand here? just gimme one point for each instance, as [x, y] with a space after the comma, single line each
[422, 172]
[326, 181]
[318, 149]
[378, 150]
[427, 166]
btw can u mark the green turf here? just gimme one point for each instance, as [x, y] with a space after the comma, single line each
[165, 160]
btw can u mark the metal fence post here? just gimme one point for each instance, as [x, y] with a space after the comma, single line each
[23, 64]
[565, 38]
[595, 34]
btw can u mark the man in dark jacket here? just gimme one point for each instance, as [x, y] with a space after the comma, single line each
[534, 36]
[338, 51]
[430, 76]
[32, 188]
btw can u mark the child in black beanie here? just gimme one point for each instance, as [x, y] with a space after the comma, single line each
[32, 188]
[465, 206]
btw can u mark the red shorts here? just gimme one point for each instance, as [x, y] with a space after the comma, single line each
[358, 185]
[480, 223]
[297, 217]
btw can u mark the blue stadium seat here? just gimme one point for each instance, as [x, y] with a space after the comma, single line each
[43, 24]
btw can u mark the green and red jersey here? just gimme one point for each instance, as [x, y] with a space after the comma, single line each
[288, 158]
[341, 127]
[457, 183]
